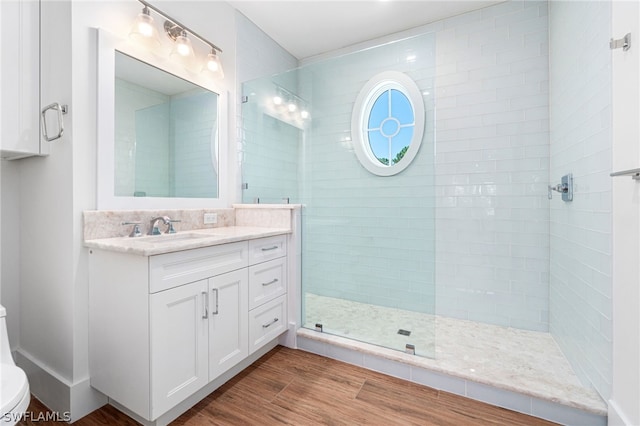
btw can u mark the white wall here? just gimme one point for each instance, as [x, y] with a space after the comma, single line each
[580, 126]
[10, 242]
[624, 404]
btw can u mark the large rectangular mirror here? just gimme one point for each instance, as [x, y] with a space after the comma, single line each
[165, 134]
[161, 131]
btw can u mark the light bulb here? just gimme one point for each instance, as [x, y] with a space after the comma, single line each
[183, 45]
[277, 100]
[144, 30]
[213, 65]
[304, 113]
[292, 107]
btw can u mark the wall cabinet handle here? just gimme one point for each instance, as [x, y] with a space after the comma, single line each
[215, 290]
[275, 320]
[205, 305]
[60, 109]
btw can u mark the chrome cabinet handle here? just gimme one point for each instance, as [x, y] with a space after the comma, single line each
[61, 109]
[269, 248]
[205, 305]
[275, 320]
[215, 290]
[275, 280]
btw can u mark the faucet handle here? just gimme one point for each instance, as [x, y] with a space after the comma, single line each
[170, 229]
[135, 232]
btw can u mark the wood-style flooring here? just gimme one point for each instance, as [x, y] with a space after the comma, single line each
[291, 387]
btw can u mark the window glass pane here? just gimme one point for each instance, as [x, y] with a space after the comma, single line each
[379, 111]
[401, 107]
[379, 146]
[400, 143]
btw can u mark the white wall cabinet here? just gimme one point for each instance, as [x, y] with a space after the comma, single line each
[32, 69]
[163, 327]
[19, 78]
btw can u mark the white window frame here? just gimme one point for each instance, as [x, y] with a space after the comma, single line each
[369, 93]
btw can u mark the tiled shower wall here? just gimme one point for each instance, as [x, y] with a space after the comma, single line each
[580, 104]
[487, 74]
[367, 238]
[492, 145]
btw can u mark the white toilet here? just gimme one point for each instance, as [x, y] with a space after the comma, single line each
[14, 387]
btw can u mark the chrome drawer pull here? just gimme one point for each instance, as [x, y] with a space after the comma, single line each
[215, 290]
[205, 305]
[275, 280]
[269, 248]
[275, 320]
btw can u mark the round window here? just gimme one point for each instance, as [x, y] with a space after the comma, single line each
[387, 123]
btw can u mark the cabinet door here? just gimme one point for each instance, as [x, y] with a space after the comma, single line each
[20, 78]
[228, 330]
[179, 333]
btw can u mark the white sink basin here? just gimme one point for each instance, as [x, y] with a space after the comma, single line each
[167, 238]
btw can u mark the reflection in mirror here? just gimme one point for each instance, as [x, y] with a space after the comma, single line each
[166, 134]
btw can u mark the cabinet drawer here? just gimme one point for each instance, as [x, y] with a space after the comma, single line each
[267, 281]
[268, 248]
[174, 269]
[267, 322]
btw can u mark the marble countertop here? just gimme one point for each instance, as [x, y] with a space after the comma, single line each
[150, 245]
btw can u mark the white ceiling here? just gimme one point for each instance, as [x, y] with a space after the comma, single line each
[307, 28]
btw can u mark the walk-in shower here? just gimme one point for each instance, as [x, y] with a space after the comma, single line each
[368, 240]
[452, 256]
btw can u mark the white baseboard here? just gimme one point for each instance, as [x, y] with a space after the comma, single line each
[616, 416]
[56, 393]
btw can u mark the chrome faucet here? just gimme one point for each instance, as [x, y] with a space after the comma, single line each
[153, 228]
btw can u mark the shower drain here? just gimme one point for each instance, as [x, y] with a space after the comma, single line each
[404, 332]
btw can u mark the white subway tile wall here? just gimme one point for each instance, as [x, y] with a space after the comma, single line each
[127, 151]
[581, 139]
[367, 238]
[258, 56]
[492, 159]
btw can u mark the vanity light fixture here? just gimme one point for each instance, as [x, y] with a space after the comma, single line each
[144, 28]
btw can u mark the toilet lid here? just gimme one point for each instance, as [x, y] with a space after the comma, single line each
[14, 385]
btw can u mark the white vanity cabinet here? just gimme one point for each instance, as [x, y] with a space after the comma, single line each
[163, 327]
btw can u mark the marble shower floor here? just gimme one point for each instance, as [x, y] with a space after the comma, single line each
[527, 362]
